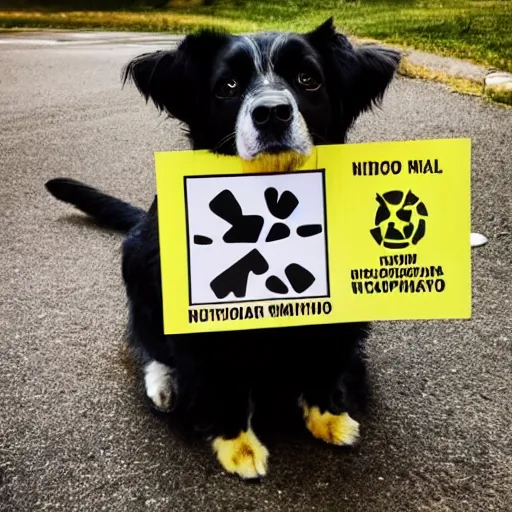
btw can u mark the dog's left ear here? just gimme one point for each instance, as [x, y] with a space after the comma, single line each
[359, 75]
[377, 67]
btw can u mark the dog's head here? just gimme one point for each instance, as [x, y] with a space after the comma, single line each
[270, 93]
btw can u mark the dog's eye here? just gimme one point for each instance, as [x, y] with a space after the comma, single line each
[227, 89]
[308, 82]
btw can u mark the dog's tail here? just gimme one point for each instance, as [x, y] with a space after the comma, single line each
[106, 210]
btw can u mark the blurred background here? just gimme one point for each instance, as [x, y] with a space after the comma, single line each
[477, 30]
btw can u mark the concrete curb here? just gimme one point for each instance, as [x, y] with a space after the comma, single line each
[493, 84]
[450, 66]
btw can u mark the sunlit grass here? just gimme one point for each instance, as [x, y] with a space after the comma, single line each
[118, 20]
[456, 84]
[500, 95]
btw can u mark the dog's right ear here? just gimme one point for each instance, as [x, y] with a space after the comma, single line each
[148, 72]
[175, 80]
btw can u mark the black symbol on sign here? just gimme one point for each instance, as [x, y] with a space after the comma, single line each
[399, 220]
[309, 230]
[235, 278]
[278, 231]
[247, 229]
[280, 207]
[300, 278]
[274, 284]
[202, 240]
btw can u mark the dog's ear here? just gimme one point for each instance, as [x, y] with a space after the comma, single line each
[323, 33]
[376, 68]
[175, 80]
[359, 75]
[149, 72]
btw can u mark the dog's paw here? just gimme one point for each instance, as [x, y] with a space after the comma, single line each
[244, 455]
[157, 379]
[338, 429]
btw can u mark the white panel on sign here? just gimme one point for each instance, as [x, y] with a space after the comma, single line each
[256, 237]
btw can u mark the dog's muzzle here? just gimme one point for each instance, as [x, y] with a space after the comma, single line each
[271, 134]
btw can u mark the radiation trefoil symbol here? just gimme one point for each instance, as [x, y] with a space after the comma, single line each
[400, 220]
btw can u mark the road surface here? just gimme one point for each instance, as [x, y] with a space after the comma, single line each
[75, 432]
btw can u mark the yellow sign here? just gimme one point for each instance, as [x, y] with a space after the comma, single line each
[360, 232]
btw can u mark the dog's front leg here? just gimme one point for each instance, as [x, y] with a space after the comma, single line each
[335, 387]
[225, 409]
[159, 384]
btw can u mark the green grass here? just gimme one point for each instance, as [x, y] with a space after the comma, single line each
[476, 30]
[500, 95]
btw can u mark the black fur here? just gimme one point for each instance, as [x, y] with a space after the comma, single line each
[108, 211]
[220, 377]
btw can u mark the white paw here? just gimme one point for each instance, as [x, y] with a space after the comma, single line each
[157, 378]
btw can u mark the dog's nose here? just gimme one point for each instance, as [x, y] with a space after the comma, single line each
[273, 118]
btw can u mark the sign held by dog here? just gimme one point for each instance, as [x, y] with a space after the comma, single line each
[345, 238]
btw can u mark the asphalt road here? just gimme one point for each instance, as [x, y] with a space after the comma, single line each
[75, 432]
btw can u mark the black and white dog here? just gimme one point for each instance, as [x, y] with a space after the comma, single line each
[268, 94]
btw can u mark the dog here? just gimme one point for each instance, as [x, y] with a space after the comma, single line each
[271, 94]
